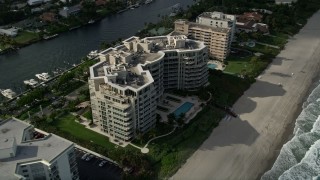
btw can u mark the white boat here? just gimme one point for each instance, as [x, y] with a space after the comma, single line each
[93, 54]
[8, 93]
[91, 21]
[148, 1]
[43, 76]
[31, 82]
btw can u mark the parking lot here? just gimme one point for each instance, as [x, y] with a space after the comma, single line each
[90, 170]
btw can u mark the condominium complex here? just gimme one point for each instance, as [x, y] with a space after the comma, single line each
[128, 82]
[215, 29]
[30, 155]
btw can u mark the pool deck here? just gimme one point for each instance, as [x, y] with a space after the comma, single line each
[219, 65]
[172, 106]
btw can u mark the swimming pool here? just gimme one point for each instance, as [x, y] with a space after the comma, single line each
[212, 66]
[185, 107]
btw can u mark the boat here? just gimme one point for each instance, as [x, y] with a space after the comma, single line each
[173, 14]
[43, 76]
[50, 37]
[31, 82]
[8, 93]
[76, 27]
[148, 1]
[92, 54]
[91, 21]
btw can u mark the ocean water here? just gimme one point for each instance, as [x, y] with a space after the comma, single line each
[299, 158]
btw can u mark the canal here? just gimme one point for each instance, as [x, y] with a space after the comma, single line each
[68, 48]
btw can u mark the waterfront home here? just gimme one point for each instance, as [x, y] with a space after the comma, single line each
[69, 11]
[251, 22]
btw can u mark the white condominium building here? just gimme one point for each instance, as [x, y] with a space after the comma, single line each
[29, 155]
[129, 80]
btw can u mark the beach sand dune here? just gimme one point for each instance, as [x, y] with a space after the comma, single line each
[245, 147]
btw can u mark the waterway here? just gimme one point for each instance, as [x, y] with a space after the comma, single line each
[68, 48]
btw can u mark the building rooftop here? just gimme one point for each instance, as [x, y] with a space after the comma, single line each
[217, 16]
[202, 26]
[124, 65]
[45, 149]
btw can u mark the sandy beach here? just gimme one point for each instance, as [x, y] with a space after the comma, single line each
[245, 147]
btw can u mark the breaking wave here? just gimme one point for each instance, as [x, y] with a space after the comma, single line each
[299, 158]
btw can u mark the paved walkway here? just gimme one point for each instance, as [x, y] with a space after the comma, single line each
[269, 45]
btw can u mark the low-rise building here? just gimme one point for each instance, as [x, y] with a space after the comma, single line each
[128, 82]
[9, 32]
[28, 154]
[69, 11]
[217, 39]
[251, 22]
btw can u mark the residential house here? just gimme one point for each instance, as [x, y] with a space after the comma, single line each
[69, 11]
[251, 22]
[48, 17]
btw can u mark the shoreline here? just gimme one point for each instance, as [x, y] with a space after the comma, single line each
[288, 133]
[248, 146]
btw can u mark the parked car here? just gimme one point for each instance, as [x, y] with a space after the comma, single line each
[89, 157]
[128, 170]
[84, 157]
[102, 163]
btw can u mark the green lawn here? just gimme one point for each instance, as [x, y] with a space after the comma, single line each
[263, 49]
[4, 46]
[25, 37]
[237, 64]
[277, 41]
[88, 114]
[67, 124]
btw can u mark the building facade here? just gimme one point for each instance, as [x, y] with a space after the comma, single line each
[26, 155]
[128, 82]
[217, 39]
[218, 20]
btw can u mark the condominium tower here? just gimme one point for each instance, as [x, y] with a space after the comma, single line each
[26, 153]
[127, 83]
[215, 29]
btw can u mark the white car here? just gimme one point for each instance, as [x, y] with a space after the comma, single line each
[102, 163]
[89, 157]
[84, 157]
